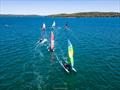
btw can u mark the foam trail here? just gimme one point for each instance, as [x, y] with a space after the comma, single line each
[37, 46]
[41, 54]
[38, 51]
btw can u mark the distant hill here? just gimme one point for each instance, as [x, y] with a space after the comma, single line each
[88, 14]
[81, 14]
[12, 15]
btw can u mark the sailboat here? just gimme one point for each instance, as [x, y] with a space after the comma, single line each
[51, 48]
[53, 25]
[70, 54]
[43, 39]
[69, 64]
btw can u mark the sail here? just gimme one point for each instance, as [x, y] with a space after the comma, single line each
[44, 26]
[70, 53]
[52, 40]
[43, 30]
[53, 25]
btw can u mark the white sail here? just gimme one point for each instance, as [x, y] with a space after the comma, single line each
[53, 25]
[44, 26]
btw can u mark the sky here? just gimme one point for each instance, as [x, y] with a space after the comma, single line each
[47, 7]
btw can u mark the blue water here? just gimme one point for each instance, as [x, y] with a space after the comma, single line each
[96, 43]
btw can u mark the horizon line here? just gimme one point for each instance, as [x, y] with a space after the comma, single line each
[62, 13]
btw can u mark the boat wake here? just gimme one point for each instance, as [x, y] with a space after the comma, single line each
[38, 52]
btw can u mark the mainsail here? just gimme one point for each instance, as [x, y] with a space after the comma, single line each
[43, 30]
[52, 40]
[53, 25]
[70, 53]
[44, 26]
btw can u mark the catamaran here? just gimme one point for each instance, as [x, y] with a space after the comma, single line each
[69, 64]
[51, 48]
[43, 39]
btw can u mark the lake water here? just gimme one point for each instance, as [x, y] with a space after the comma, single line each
[23, 66]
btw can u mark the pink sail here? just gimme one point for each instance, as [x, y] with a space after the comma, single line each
[52, 40]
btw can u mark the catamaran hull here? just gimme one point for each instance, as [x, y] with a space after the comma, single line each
[73, 69]
[64, 67]
[44, 40]
[48, 47]
[61, 63]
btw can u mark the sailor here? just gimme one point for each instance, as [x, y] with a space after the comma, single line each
[66, 25]
[40, 40]
[43, 29]
[67, 66]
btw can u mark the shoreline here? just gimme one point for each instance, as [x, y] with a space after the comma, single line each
[72, 15]
[88, 14]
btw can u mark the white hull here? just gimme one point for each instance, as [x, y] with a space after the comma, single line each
[74, 69]
[44, 40]
[64, 67]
